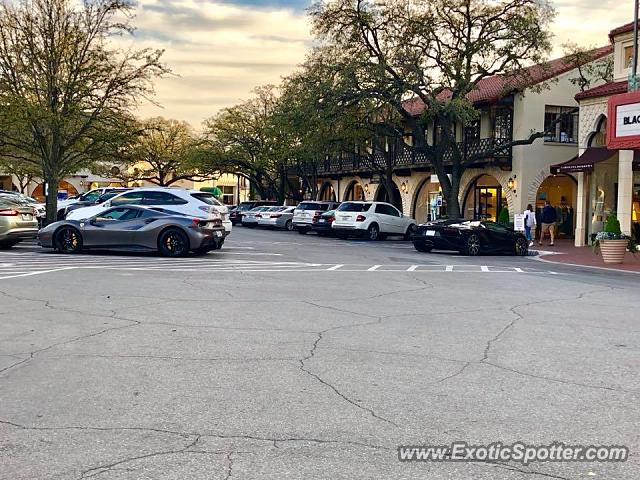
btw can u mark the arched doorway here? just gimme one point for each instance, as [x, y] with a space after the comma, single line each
[561, 191]
[65, 189]
[327, 193]
[384, 195]
[354, 192]
[428, 203]
[484, 199]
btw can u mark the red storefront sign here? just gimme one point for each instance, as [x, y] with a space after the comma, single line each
[623, 122]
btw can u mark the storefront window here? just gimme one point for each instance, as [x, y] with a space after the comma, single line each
[484, 199]
[635, 207]
[604, 193]
[228, 195]
[429, 204]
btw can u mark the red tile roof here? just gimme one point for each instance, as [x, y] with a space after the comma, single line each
[611, 88]
[493, 88]
[628, 27]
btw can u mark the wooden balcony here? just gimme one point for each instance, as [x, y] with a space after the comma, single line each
[408, 157]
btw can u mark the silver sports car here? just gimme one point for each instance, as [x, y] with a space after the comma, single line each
[136, 228]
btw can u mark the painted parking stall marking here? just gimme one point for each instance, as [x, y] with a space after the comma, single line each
[28, 264]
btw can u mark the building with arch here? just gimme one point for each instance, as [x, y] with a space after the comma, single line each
[507, 180]
[607, 181]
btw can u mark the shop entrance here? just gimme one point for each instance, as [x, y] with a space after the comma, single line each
[429, 203]
[327, 193]
[561, 192]
[484, 199]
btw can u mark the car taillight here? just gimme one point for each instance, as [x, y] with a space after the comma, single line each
[330, 219]
[8, 212]
[360, 218]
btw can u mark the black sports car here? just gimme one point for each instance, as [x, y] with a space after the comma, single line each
[469, 238]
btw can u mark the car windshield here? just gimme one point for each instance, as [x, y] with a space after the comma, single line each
[243, 207]
[108, 196]
[207, 198]
[311, 206]
[354, 207]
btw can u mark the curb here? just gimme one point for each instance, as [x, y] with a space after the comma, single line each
[608, 269]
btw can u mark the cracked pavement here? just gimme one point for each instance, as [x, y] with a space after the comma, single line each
[160, 375]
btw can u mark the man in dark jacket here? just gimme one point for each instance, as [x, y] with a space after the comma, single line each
[548, 221]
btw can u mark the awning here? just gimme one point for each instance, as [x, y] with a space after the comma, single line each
[584, 162]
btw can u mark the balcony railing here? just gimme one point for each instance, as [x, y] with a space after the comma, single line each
[408, 157]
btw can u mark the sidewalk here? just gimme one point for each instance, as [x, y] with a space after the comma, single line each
[565, 252]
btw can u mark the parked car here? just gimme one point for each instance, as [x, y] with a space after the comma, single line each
[244, 207]
[187, 202]
[108, 195]
[322, 224]
[250, 218]
[40, 209]
[17, 222]
[136, 228]
[305, 212]
[85, 199]
[372, 220]
[277, 217]
[470, 238]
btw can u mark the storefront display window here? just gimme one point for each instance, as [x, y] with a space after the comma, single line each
[429, 203]
[484, 199]
[635, 207]
[604, 193]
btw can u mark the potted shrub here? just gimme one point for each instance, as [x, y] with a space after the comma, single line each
[503, 218]
[611, 243]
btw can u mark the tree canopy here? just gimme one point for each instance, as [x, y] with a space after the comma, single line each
[66, 92]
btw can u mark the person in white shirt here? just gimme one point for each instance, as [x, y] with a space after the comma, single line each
[529, 223]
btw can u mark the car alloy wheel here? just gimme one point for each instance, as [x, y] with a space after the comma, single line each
[289, 225]
[522, 247]
[173, 243]
[473, 245]
[68, 240]
[373, 232]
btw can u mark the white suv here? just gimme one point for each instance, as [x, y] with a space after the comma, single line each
[372, 220]
[188, 202]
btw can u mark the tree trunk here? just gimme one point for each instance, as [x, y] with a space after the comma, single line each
[51, 181]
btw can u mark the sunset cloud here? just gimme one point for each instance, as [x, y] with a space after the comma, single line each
[220, 51]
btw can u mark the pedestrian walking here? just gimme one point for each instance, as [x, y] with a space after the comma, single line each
[548, 220]
[529, 223]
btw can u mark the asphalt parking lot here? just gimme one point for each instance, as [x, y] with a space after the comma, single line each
[298, 357]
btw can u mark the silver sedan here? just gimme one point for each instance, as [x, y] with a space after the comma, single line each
[277, 217]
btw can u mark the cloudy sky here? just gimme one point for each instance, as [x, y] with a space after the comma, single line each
[221, 50]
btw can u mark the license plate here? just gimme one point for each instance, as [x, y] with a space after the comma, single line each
[26, 216]
[322, 220]
[218, 233]
[430, 233]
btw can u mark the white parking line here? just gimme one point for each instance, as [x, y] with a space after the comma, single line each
[374, 268]
[334, 268]
[412, 268]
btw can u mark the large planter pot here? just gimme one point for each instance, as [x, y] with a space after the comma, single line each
[613, 251]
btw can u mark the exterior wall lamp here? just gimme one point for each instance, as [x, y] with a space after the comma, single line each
[511, 183]
[404, 187]
[366, 188]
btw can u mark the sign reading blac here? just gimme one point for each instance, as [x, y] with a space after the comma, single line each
[623, 122]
